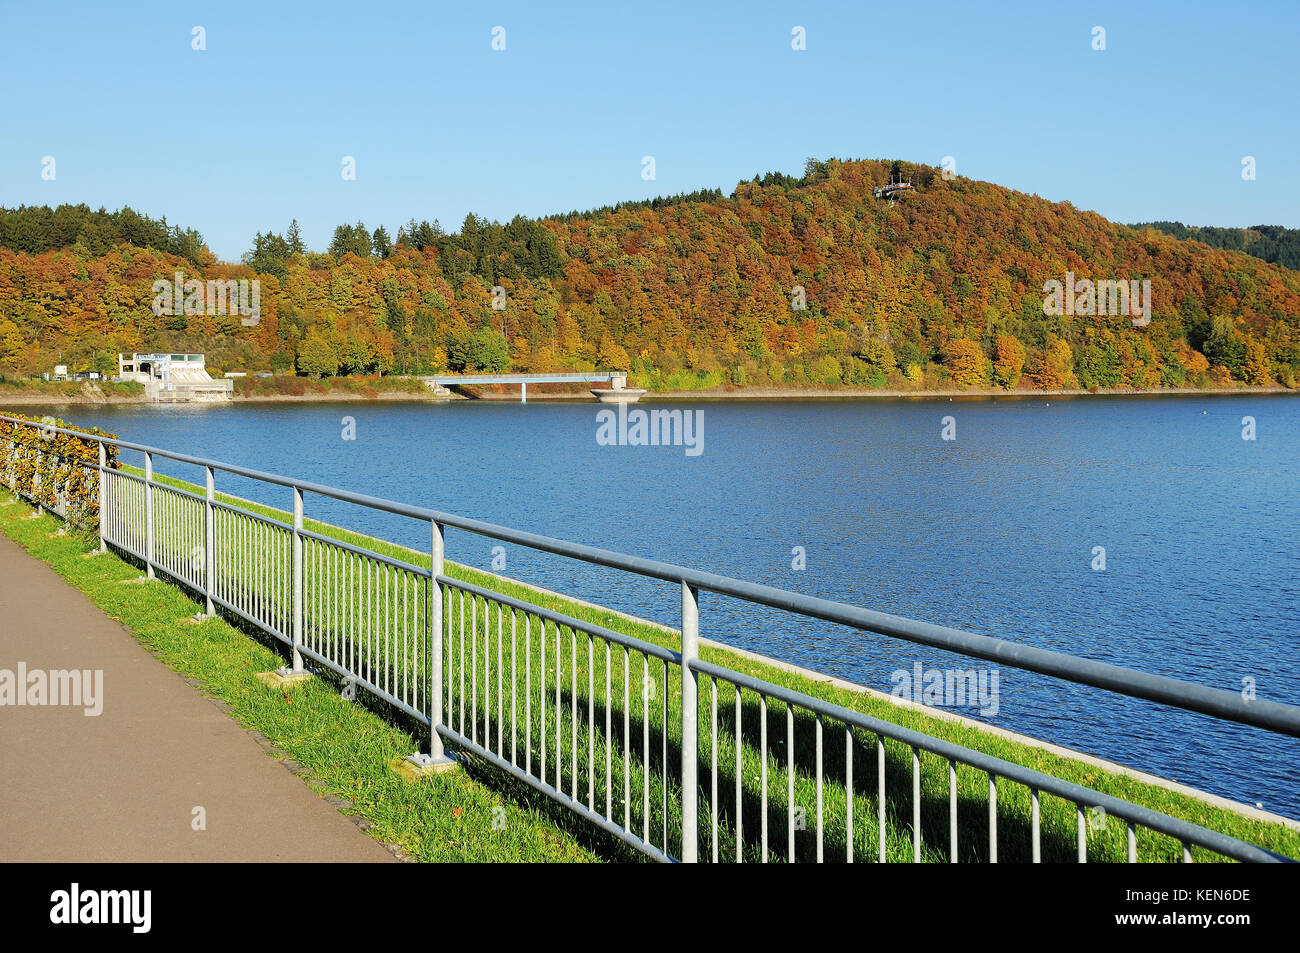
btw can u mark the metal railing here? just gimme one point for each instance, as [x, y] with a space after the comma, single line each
[656, 746]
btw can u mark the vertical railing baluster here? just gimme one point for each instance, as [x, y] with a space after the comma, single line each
[820, 832]
[916, 805]
[559, 727]
[1035, 823]
[297, 578]
[993, 818]
[952, 811]
[627, 740]
[103, 498]
[789, 781]
[433, 634]
[591, 724]
[713, 748]
[473, 668]
[514, 660]
[148, 514]
[460, 667]
[501, 720]
[740, 777]
[690, 728]
[762, 754]
[609, 738]
[541, 698]
[528, 694]
[848, 789]
[1132, 844]
[573, 713]
[1082, 834]
[663, 755]
[880, 794]
[645, 747]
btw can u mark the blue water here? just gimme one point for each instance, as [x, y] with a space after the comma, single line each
[992, 532]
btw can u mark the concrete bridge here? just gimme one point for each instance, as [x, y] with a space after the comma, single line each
[618, 390]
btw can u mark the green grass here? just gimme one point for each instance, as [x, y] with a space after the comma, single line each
[361, 385]
[55, 389]
[1013, 809]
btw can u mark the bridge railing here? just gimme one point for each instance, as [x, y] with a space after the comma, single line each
[677, 756]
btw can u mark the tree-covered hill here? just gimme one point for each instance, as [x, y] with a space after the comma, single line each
[1271, 243]
[789, 281]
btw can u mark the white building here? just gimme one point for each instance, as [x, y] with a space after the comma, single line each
[173, 377]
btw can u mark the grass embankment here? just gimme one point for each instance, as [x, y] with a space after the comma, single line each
[334, 738]
[55, 390]
[361, 386]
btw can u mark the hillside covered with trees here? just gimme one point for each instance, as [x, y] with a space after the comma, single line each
[942, 288]
[1271, 243]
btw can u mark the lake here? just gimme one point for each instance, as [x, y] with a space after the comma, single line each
[995, 531]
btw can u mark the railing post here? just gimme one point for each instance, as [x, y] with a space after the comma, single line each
[690, 727]
[433, 615]
[297, 579]
[209, 541]
[103, 498]
[148, 513]
[437, 760]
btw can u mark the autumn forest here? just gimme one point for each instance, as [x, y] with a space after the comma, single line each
[788, 282]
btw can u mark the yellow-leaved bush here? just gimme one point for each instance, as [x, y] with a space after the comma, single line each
[51, 469]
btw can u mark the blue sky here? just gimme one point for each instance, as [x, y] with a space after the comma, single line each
[249, 133]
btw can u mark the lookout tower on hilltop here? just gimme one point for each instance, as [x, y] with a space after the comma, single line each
[897, 185]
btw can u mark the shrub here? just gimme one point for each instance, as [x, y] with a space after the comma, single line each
[825, 370]
[54, 470]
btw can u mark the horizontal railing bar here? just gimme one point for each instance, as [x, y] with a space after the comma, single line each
[1153, 820]
[559, 618]
[575, 805]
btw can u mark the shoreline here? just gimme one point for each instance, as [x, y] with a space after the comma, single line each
[715, 394]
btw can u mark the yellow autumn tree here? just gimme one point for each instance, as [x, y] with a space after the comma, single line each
[1257, 370]
[966, 363]
[612, 356]
[1010, 361]
[1055, 371]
